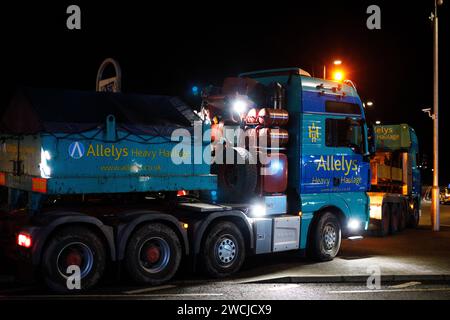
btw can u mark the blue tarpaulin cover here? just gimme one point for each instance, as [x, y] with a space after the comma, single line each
[32, 111]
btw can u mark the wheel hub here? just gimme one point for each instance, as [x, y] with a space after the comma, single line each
[329, 237]
[74, 258]
[75, 254]
[153, 254]
[226, 250]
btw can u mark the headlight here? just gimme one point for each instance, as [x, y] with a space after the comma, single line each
[354, 224]
[258, 210]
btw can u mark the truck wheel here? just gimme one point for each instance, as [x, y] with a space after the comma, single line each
[395, 218]
[237, 181]
[153, 254]
[73, 246]
[385, 223]
[414, 216]
[325, 239]
[223, 250]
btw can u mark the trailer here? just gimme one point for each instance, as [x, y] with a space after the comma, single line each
[395, 195]
[97, 181]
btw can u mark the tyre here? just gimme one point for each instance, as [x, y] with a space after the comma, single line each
[385, 223]
[223, 250]
[237, 181]
[153, 254]
[403, 216]
[395, 218]
[414, 216]
[325, 239]
[73, 246]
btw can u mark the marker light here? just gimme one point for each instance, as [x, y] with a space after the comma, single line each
[240, 106]
[46, 155]
[258, 210]
[353, 224]
[39, 185]
[355, 238]
[275, 167]
[45, 169]
[24, 240]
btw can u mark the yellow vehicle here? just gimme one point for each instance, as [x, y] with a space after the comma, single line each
[445, 196]
[395, 179]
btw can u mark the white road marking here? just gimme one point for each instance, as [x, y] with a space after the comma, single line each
[405, 285]
[391, 290]
[284, 287]
[138, 291]
[183, 295]
[106, 296]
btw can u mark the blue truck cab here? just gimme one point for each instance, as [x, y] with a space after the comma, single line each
[328, 149]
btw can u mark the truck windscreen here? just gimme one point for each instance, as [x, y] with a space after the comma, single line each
[342, 107]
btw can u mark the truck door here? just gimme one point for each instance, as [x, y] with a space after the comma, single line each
[347, 167]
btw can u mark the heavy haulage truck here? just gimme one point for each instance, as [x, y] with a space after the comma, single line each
[88, 178]
[395, 179]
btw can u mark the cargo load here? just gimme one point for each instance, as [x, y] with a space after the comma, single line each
[395, 179]
[60, 141]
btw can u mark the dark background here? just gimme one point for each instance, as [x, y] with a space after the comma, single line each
[167, 48]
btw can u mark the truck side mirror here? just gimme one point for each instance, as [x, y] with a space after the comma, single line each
[371, 140]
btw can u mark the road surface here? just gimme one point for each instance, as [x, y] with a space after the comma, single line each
[234, 291]
[425, 220]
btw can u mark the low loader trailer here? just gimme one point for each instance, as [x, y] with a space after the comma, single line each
[395, 179]
[92, 181]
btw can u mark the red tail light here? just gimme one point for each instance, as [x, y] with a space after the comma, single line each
[2, 179]
[24, 240]
[182, 193]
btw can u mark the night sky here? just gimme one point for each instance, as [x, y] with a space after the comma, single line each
[166, 49]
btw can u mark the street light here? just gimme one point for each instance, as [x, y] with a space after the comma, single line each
[435, 215]
[335, 62]
[338, 75]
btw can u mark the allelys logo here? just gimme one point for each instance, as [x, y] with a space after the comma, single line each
[384, 130]
[331, 163]
[76, 150]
